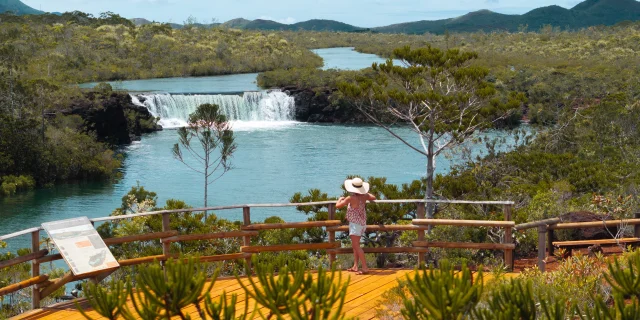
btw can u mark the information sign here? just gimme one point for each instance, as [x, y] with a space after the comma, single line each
[80, 245]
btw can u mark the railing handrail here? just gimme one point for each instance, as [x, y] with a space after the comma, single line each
[258, 205]
[42, 286]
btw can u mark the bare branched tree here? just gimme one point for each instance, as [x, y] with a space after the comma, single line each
[214, 144]
[439, 94]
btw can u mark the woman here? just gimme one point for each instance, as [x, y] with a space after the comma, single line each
[357, 217]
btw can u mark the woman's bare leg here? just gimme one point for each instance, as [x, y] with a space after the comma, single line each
[365, 269]
[355, 245]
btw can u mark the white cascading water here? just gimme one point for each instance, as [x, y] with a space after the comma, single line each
[252, 109]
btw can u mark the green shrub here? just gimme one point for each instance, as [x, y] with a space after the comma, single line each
[579, 279]
[442, 293]
[103, 88]
[512, 300]
[11, 184]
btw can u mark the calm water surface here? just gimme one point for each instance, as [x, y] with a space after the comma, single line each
[273, 161]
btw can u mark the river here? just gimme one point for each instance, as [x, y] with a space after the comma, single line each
[276, 157]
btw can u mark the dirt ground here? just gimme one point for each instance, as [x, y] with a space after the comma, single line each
[552, 262]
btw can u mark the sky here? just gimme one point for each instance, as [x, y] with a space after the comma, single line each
[361, 13]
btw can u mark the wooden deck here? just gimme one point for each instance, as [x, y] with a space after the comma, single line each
[363, 296]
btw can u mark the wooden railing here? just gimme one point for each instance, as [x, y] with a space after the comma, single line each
[546, 232]
[42, 286]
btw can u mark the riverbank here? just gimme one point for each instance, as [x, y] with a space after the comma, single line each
[112, 117]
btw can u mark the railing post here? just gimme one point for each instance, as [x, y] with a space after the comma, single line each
[420, 214]
[508, 237]
[35, 270]
[332, 234]
[636, 228]
[246, 217]
[542, 230]
[166, 226]
[550, 241]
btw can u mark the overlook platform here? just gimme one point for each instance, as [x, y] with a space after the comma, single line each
[364, 294]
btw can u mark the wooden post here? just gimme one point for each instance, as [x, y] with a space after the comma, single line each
[246, 217]
[550, 241]
[420, 214]
[542, 250]
[636, 228]
[508, 238]
[35, 269]
[166, 246]
[332, 234]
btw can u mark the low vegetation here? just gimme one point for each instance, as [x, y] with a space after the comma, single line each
[443, 293]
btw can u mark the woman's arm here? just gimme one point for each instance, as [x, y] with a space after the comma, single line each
[342, 201]
[370, 197]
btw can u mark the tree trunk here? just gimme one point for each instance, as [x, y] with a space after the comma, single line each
[431, 168]
[428, 195]
[206, 180]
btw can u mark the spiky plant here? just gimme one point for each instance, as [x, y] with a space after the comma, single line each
[511, 300]
[276, 291]
[442, 294]
[109, 302]
[166, 292]
[625, 279]
[223, 309]
[323, 297]
[554, 308]
[619, 311]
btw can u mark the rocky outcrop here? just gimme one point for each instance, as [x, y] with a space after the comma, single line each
[113, 117]
[323, 107]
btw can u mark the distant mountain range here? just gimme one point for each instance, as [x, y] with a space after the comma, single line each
[584, 14]
[17, 7]
[587, 13]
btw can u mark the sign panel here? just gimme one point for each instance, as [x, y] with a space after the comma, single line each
[80, 245]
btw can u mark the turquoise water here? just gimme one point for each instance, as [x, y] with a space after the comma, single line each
[271, 164]
[334, 58]
[347, 59]
[215, 84]
[273, 161]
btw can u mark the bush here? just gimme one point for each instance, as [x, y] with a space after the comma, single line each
[11, 184]
[442, 293]
[103, 88]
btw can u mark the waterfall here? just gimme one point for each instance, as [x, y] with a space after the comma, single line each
[252, 107]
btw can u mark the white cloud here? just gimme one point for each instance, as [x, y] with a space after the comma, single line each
[287, 20]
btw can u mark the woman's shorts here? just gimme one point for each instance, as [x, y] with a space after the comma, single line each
[356, 229]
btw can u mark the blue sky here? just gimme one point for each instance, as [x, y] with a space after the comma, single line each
[363, 13]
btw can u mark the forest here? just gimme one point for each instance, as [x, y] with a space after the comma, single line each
[45, 56]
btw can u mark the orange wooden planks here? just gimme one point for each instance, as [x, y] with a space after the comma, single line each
[363, 295]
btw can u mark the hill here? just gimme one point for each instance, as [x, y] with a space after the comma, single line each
[310, 25]
[261, 24]
[584, 14]
[17, 7]
[238, 23]
[140, 21]
[323, 25]
[606, 12]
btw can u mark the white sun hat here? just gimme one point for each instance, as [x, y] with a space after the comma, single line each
[356, 185]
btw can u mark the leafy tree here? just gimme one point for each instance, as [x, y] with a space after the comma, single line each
[209, 126]
[438, 94]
